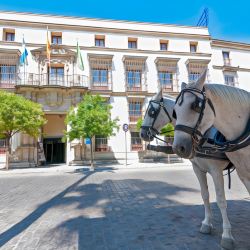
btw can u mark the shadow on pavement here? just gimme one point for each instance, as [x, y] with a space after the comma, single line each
[131, 214]
[36, 214]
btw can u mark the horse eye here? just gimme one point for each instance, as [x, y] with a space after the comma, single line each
[197, 105]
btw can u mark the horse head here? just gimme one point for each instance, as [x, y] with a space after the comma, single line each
[158, 114]
[194, 116]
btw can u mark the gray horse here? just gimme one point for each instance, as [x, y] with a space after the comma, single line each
[155, 118]
[201, 106]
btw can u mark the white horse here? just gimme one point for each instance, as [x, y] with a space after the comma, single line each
[158, 114]
[201, 106]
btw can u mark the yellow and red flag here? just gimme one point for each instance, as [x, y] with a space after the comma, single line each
[48, 49]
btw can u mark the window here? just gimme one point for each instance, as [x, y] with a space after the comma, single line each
[7, 74]
[196, 68]
[99, 77]
[100, 71]
[56, 76]
[9, 35]
[133, 79]
[3, 146]
[101, 143]
[136, 142]
[226, 58]
[100, 41]
[193, 76]
[132, 43]
[56, 37]
[193, 47]
[163, 45]
[230, 80]
[135, 110]
[166, 79]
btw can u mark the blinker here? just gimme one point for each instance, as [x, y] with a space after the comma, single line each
[197, 105]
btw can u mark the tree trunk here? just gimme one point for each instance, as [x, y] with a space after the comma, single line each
[8, 152]
[91, 154]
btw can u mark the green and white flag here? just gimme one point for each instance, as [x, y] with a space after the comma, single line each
[79, 60]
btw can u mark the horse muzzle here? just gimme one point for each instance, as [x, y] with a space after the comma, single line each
[184, 148]
[146, 135]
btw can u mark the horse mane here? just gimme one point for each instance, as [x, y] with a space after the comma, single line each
[232, 95]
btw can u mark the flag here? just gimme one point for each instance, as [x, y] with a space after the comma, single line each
[48, 49]
[24, 54]
[79, 60]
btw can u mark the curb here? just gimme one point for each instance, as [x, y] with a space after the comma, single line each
[98, 168]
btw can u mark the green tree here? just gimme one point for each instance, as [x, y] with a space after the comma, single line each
[18, 114]
[168, 131]
[139, 124]
[91, 117]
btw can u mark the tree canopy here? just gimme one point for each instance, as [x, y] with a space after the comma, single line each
[168, 130]
[91, 117]
[18, 114]
[139, 124]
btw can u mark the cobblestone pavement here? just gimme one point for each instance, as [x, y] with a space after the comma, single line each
[123, 209]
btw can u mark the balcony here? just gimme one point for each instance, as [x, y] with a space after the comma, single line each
[10, 80]
[168, 86]
[101, 86]
[135, 88]
[134, 117]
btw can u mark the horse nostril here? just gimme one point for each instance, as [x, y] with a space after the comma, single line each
[182, 149]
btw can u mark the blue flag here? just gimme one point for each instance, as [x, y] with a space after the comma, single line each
[23, 57]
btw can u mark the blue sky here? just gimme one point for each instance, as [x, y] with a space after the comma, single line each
[229, 20]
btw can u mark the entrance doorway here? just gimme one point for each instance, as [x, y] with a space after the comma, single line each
[54, 150]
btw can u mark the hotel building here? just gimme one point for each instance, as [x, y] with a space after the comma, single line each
[125, 62]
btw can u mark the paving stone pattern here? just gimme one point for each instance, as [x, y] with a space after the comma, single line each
[120, 210]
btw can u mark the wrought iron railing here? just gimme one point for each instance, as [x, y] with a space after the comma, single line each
[8, 80]
[101, 86]
[136, 87]
[101, 145]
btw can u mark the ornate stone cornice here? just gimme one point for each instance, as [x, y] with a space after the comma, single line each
[230, 45]
[231, 68]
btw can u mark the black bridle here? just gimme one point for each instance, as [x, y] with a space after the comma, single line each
[153, 112]
[198, 138]
[198, 106]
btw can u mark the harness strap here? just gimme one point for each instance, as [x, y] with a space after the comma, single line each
[207, 155]
[228, 146]
[230, 168]
[241, 142]
[188, 130]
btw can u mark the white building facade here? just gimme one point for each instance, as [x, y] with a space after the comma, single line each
[125, 62]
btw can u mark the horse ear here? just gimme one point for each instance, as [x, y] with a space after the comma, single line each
[183, 85]
[201, 80]
[158, 95]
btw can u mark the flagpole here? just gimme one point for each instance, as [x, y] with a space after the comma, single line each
[48, 54]
[76, 51]
[24, 69]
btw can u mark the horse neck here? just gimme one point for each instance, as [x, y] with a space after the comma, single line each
[169, 105]
[230, 120]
